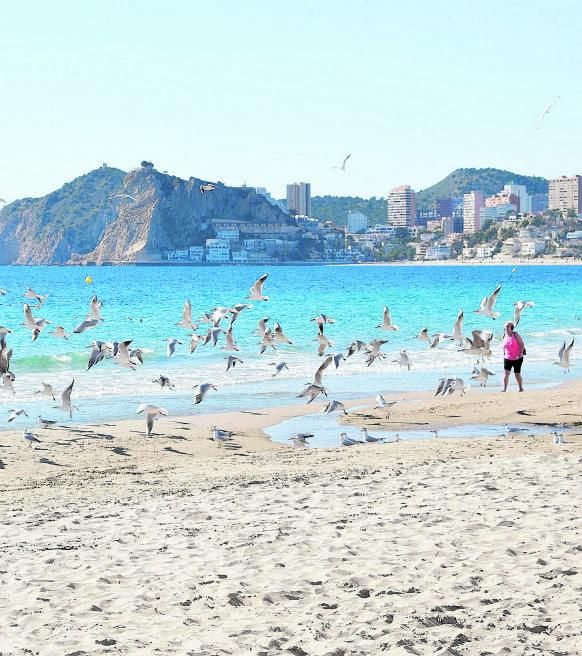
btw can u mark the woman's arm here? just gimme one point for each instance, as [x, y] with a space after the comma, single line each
[520, 342]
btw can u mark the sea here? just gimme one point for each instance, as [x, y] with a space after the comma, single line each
[144, 304]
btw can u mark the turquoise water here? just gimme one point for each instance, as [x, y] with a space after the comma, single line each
[145, 304]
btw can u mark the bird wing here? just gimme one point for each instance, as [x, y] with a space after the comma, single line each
[66, 395]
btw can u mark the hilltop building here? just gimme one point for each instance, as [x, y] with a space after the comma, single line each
[524, 198]
[566, 194]
[402, 207]
[299, 198]
[473, 202]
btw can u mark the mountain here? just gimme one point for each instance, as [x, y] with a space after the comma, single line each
[81, 222]
[489, 181]
[336, 208]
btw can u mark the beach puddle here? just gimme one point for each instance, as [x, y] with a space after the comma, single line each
[326, 430]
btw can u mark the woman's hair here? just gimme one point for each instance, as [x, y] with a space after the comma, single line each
[509, 323]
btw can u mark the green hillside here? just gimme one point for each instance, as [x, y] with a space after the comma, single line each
[336, 208]
[489, 181]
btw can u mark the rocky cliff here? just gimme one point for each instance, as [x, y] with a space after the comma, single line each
[153, 212]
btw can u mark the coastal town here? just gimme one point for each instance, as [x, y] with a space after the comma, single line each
[508, 225]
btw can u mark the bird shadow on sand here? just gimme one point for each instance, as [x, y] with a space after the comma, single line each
[183, 423]
[120, 451]
[4, 446]
[250, 412]
[171, 449]
[2, 464]
[48, 461]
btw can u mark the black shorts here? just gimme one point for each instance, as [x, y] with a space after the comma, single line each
[508, 365]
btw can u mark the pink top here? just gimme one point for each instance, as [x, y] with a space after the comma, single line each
[511, 348]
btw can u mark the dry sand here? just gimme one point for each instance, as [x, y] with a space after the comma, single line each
[113, 543]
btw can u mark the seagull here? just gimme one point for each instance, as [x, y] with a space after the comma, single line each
[513, 429]
[30, 293]
[87, 324]
[237, 309]
[318, 376]
[311, 392]
[207, 186]
[262, 326]
[480, 345]
[343, 164]
[7, 380]
[152, 412]
[558, 438]
[482, 374]
[280, 336]
[333, 406]
[387, 322]
[354, 347]
[256, 291]
[99, 351]
[164, 381]
[232, 361]
[437, 338]
[279, 366]
[434, 432]
[337, 358]
[34, 325]
[458, 328]
[47, 390]
[30, 437]
[374, 352]
[546, 110]
[194, 341]
[348, 441]
[95, 309]
[212, 335]
[520, 306]
[404, 360]
[488, 303]
[220, 435]
[423, 335]
[323, 341]
[12, 414]
[230, 343]
[323, 318]
[203, 390]
[448, 386]
[171, 345]
[122, 354]
[122, 196]
[45, 423]
[299, 440]
[384, 405]
[59, 331]
[66, 404]
[564, 356]
[370, 438]
[137, 354]
[267, 341]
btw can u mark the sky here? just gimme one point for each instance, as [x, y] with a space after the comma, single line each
[267, 92]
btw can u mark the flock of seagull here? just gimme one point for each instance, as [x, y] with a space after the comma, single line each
[220, 322]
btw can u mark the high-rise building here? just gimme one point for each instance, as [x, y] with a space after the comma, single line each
[357, 222]
[444, 207]
[539, 203]
[524, 198]
[566, 193]
[401, 207]
[472, 204]
[299, 198]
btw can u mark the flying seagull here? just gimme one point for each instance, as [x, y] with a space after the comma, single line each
[343, 164]
[482, 375]
[311, 392]
[152, 412]
[488, 304]
[387, 322]
[458, 328]
[334, 406]
[47, 390]
[171, 346]
[59, 331]
[207, 186]
[164, 381]
[30, 293]
[279, 366]
[520, 306]
[232, 361]
[384, 405]
[66, 404]
[546, 110]
[564, 356]
[404, 360]
[256, 291]
[13, 414]
[122, 196]
[203, 390]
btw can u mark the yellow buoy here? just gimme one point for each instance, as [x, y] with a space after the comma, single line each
[88, 280]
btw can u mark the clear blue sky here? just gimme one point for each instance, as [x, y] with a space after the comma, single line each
[273, 91]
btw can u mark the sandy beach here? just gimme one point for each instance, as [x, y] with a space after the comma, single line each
[115, 543]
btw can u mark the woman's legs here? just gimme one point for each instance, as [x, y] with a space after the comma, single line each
[506, 379]
[519, 380]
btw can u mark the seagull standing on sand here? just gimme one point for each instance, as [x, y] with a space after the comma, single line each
[564, 356]
[279, 366]
[370, 439]
[220, 435]
[482, 375]
[348, 441]
[387, 322]
[434, 432]
[30, 437]
[66, 404]
[47, 390]
[488, 304]
[152, 412]
[520, 306]
[203, 390]
[300, 440]
[45, 423]
[256, 291]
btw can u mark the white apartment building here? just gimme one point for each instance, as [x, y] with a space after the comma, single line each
[196, 253]
[566, 194]
[532, 247]
[473, 202]
[402, 207]
[240, 257]
[217, 250]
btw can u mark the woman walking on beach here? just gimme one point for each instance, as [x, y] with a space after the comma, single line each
[513, 352]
